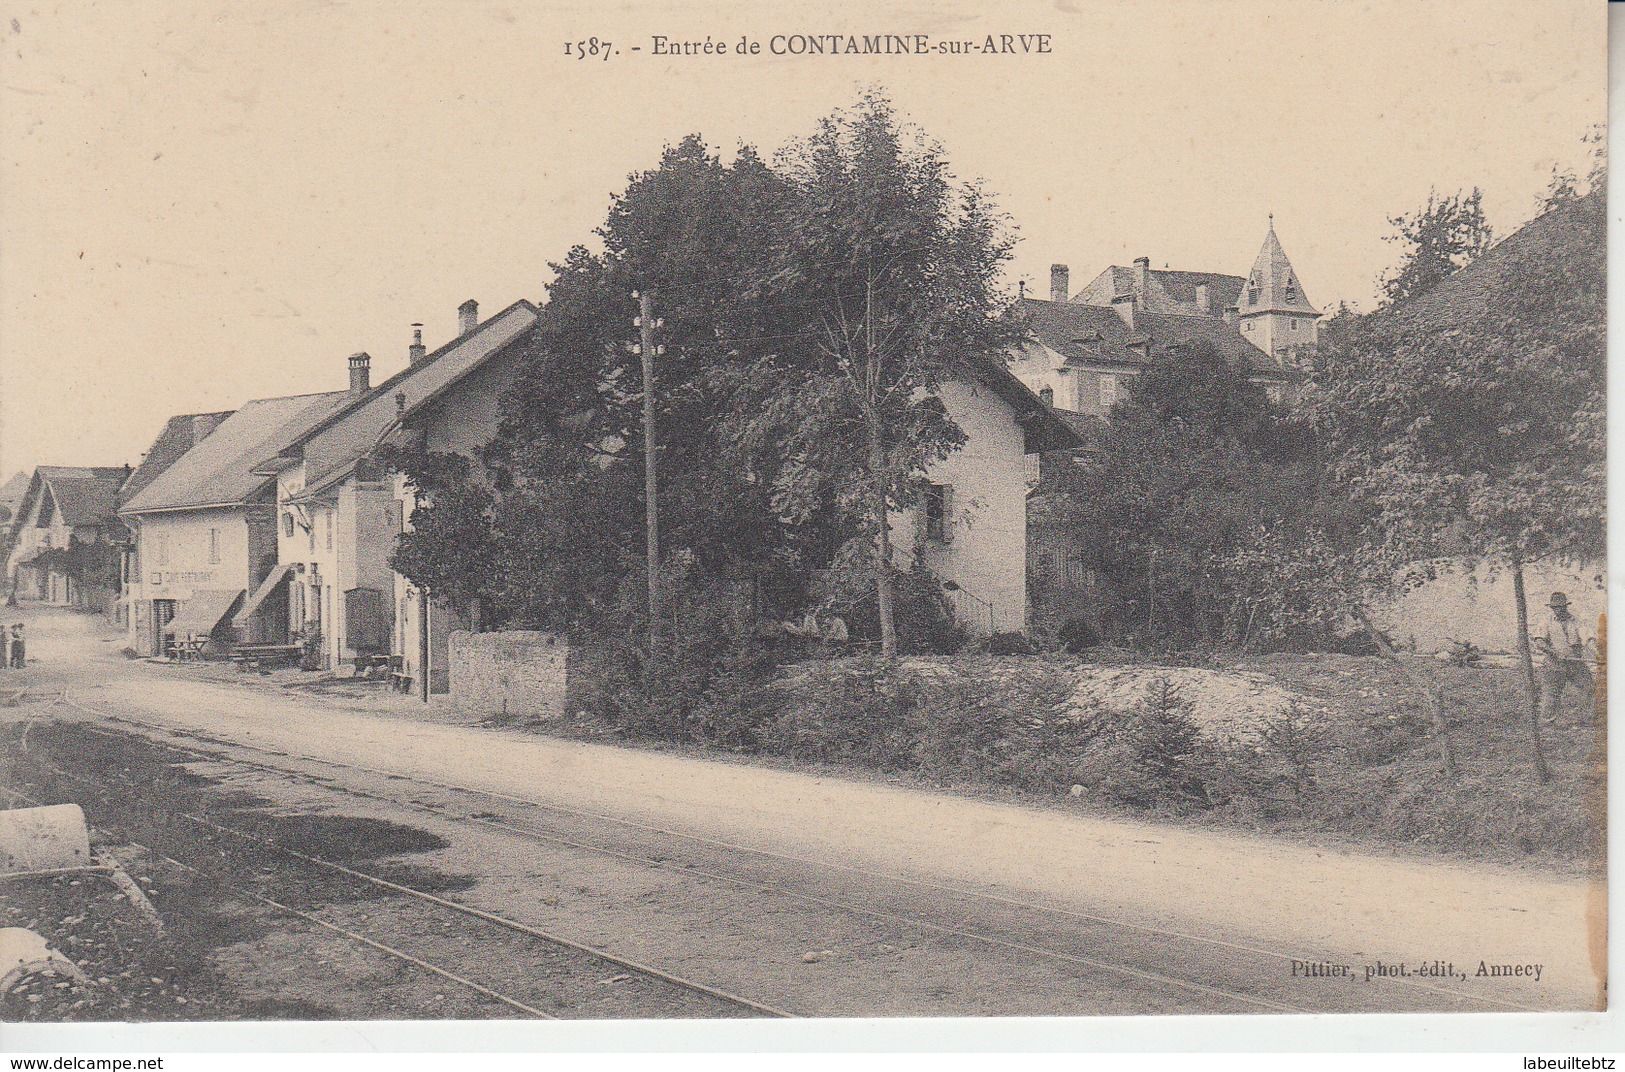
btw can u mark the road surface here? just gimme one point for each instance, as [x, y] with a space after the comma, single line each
[829, 896]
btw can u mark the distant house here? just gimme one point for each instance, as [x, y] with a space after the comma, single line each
[204, 526]
[339, 512]
[66, 540]
[11, 498]
[1086, 349]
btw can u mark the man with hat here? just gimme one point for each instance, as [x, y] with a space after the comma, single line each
[1564, 660]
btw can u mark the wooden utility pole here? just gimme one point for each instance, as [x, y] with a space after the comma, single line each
[646, 324]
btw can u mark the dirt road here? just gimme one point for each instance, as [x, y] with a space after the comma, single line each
[1133, 905]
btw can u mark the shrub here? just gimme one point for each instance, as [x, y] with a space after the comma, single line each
[1151, 756]
[847, 711]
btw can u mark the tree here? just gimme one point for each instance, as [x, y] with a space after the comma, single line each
[895, 266]
[1195, 465]
[1566, 184]
[1471, 423]
[1445, 235]
[810, 311]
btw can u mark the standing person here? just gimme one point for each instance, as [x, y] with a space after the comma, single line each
[5, 648]
[1564, 661]
[18, 661]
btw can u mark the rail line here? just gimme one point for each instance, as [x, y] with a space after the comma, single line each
[676, 981]
[914, 922]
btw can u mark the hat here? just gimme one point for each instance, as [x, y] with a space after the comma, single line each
[1558, 600]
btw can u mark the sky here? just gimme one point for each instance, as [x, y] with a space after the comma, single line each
[203, 203]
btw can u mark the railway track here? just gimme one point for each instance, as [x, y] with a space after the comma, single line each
[1132, 953]
[537, 967]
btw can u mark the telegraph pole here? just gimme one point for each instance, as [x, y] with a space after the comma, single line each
[646, 324]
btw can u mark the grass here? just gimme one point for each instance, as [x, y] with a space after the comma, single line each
[1357, 764]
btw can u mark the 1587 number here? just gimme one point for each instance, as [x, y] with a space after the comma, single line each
[590, 47]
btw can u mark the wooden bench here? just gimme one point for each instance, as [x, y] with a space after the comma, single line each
[256, 656]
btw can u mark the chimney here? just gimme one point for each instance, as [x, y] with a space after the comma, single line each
[415, 352]
[1059, 283]
[1231, 316]
[468, 315]
[202, 425]
[360, 373]
[1123, 304]
[1142, 277]
[1202, 301]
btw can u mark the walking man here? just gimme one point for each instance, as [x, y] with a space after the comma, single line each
[1563, 658]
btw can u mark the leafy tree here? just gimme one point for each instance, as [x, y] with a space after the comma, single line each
[810, 311]
[894, 265]
[1195, 466]
[1446, 234]
[1566, 184]
[1474, 427]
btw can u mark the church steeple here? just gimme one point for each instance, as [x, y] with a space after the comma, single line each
[1275, 314]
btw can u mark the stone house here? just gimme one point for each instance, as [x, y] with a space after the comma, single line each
[1086, 349]
[203, 527]
[969, 528]
[65, 541]
[339, 512]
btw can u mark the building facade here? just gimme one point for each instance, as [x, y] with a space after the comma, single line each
[1086, 349]
[204, 529]
[65, 543]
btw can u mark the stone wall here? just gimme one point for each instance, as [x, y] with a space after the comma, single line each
[508, 673]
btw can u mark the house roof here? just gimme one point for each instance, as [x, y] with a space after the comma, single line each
[1091, 335]
[1223, 290]
[1525, 257]
[1044, 427]
[83, 496]
[1167, 291]
[181, 433]
[220, 470]
[13, 490]
[354, 429]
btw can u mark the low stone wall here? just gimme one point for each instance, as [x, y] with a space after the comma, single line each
[509, 673]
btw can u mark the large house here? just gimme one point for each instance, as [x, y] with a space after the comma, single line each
[339, 511]
[65, 541]
[1086, 348]
[204, 526]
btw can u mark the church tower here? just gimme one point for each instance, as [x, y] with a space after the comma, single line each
[1273, 312]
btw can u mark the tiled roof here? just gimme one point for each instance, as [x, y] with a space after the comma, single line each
[1222, 290]
[180, 435]
[13, 490]
[1577, 229]
[220, 470]
[84, 496]
[1272, 285]
[1093, 335]
[354, 429]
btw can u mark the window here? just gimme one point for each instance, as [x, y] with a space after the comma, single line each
[1047, 396]
[287, 524]
[1108, 391]
[937, 513]
[214, 545]
[1252, 295]
[163, 549]
[329, 516]
[310, 535]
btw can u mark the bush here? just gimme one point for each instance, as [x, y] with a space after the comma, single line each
[849, 711]
[1151, 756]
